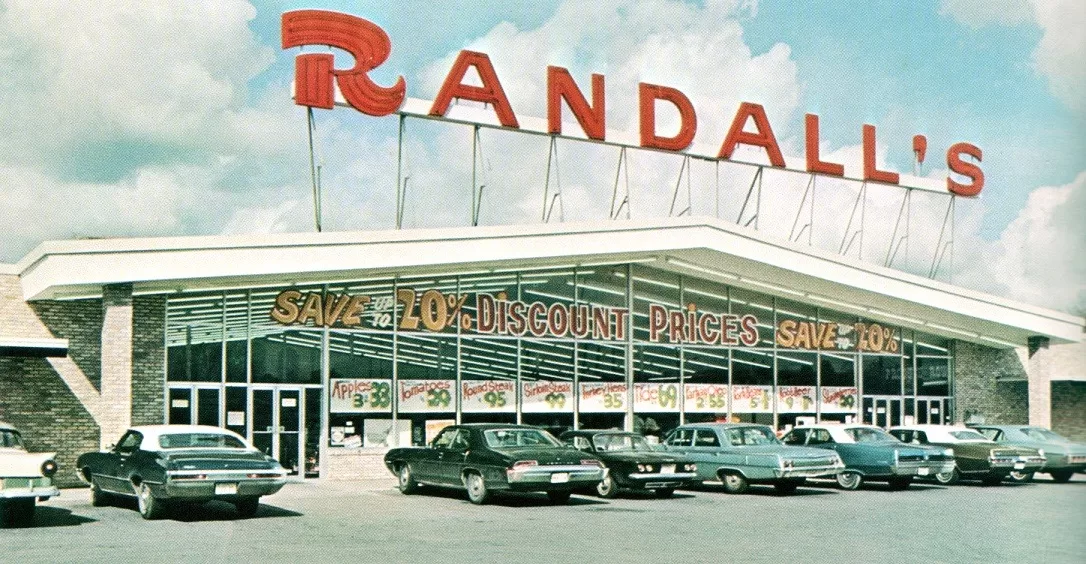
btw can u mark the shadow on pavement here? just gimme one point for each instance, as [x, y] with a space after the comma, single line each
[46, 516]
[210, 511]
[807, 489]
[507, 499]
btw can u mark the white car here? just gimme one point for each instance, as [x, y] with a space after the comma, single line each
[25, 478]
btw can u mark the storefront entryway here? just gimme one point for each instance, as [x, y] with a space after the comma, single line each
[882, 411]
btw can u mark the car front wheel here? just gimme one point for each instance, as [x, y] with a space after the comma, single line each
[849, 480]
[477, 490]
[607, 488]
[1061, 476]
[948, 478]
[150, 506]
[1021, 477]
[734, 483]
[407, 481]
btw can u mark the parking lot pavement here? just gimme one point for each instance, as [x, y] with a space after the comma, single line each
[316, 522]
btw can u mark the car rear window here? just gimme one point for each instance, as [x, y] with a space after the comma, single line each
[199, 440]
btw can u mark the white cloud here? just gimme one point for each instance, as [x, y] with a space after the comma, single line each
[1061, 51]
[1038, 258]
[979, 13]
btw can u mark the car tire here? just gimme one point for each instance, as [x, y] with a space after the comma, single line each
[899, 483]
[948, 478]
[407, 483]
[734, 482]
[664, 493]
[849, 480]
[150, 507]
[1061, 476]
[607, 488]
[476, 486]
[99, 497]
[1020, 477]
[247, 507]
[559, 498]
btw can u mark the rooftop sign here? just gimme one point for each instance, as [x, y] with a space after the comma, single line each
[317, 83]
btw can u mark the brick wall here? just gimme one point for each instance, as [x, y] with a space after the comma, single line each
[364, 465]
[148, 360]
[80, 322]
[989, 382]
[1069, 409]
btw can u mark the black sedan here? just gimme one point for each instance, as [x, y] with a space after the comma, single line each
[632, 463]
[486, 457]
[164, 464]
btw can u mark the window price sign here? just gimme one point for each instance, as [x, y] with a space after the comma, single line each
[603, 397]
[424, 396]
[795, 399]
[838, 399]
[706, 398]
[360, 396]
[547, 397]
[651, 397]
[488, 396]
[752, 399]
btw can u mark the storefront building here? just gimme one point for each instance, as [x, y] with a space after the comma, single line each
[325, 349]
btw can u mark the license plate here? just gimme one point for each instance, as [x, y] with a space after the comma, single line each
[559, 477]
[1019, 465]
[226, 489]
[921, 471]
[668, 469]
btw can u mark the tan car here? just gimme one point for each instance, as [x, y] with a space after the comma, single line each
[25, 478]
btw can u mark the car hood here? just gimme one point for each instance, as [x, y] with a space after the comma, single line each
[17, 463]
[208, 459]
[546, 455]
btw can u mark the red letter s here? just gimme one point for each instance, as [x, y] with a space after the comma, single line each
[314, 75]
[956, 164]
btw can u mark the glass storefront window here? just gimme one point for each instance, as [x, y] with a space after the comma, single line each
[881, 375]
[933, 376]
[287, 357]
[745, 302]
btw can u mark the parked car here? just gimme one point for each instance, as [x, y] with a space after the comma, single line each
[633, 463]
[161, 465]
[25, 478]
[871, 454]
[975, 457]
[1063, 458]
[484, 458]
[740, 454]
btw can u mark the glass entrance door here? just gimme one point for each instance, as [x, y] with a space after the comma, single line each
[277, 424]
[932, 411]
[882, 412]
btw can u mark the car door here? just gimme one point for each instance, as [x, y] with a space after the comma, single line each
[820, 438]
[427, 464]
[453, 459]
[117, 464]
[796, 437]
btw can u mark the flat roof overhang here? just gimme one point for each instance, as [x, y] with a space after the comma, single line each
[33, 348]
[706, 248]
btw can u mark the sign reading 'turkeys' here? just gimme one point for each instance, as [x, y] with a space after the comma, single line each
[316, 80]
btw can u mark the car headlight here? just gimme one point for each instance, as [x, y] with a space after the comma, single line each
[48, 468]
[691, 467]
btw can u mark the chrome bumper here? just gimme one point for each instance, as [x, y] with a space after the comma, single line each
[210, 484]
[660, 480]
[929, 468]
[577, 474]
[809, 471]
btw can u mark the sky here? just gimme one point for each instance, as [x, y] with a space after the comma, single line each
[127, 119]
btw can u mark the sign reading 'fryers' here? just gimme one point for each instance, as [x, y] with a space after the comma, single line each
[316, 80]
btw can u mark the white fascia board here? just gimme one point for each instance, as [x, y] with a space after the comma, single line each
[74, 268]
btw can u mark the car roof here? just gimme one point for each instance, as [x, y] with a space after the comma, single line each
[930, 427]
[586, 432]
[485, 426]
[722, 425]
[7, 426]
[151, 433]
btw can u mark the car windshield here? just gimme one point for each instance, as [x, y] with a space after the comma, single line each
[869, 435]
[199, 440]
[9, 438]
[506, 438]
[968, 435]
[613, 442]
[1043, 435]
[752, 436]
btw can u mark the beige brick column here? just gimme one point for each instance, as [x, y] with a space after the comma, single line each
[1039, 370]
[116, 387]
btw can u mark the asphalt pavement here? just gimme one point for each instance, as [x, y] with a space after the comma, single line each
[347, 522]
